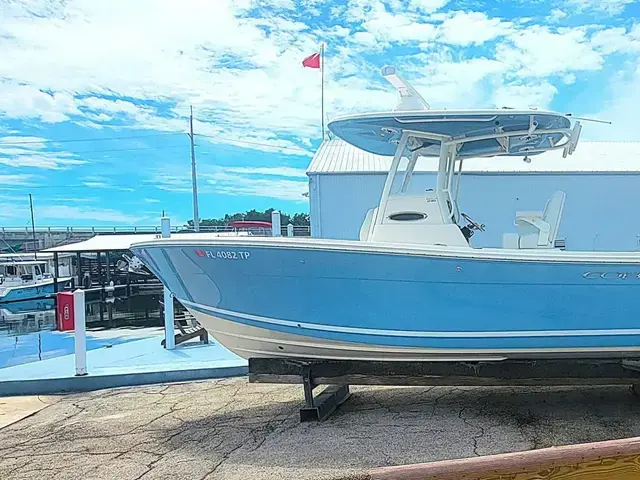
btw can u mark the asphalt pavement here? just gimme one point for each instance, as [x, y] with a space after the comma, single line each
[230, 429]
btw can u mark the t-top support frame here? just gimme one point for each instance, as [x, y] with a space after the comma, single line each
[449, 148]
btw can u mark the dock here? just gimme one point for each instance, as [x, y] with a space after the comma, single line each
[138, 362]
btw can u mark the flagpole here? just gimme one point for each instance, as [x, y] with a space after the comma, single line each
[322, 86]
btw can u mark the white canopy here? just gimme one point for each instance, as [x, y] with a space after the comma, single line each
[103, 243]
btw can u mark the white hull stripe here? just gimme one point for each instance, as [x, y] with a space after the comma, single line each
[602, 259]
[414, 333]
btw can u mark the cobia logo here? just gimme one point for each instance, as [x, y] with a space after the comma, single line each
[612, 275]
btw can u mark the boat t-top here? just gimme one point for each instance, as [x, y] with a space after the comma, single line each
[433, 217]
[413, 287]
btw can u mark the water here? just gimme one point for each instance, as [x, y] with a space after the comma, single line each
[28, 334]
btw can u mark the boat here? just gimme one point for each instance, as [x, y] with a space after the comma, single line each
[252, 227]
[24, 277]
[413, 287]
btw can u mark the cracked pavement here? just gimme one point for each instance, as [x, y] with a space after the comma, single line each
[230, 429]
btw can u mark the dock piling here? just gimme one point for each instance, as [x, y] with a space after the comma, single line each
[275, 224]
[80, 332]
[169, 318]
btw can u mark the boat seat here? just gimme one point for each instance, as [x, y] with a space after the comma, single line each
[365, 229]
[537, 229]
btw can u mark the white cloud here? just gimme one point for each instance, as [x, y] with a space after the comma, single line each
[82, 199]
[169, 182]
[556, 15]
[243, 74]
[17, 180]
[610, 7]
[112, 106]
[33, 152]
[284, 4]
[365, 38]
[536, 95]
[617, 39]
[389, 26]
[25, 140]
[621, 108]
[46, 160]
[151, 200]
[218, 60]
[250, 140]
[449, 84]
[471, 28]
[276, 171]
[96, 184]
[427, 6]
[70, 213]
[336, 31]
[539, 52]
[26, 101]
[102, 182]
[230, 184]
[234, 181]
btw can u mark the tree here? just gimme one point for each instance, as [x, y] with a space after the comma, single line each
[297, 219]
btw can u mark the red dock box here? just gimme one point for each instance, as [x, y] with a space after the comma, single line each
[64, 319]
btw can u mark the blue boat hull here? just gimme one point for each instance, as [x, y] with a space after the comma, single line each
[32, 292]
[299, 300]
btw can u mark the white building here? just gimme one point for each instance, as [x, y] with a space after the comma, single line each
[601, 181]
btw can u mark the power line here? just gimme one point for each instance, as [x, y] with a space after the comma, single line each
[130, 137]
[254, 143]
[127, 149]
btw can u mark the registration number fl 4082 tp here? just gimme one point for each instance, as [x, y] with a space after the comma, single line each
[224, 254]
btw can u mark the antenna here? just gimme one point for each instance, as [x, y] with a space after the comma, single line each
[33, 230]
[589, 119]
[410, 99]
[194, 187]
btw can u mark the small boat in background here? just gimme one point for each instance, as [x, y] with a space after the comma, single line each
[252, 227]
[22, 277]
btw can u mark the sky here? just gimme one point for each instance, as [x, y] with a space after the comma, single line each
[95, 96]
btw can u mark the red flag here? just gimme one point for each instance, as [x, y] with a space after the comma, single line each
[312, 61]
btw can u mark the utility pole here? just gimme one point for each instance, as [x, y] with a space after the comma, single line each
[33, 230]
[196, 218]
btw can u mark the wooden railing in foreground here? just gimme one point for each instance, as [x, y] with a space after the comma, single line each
[610, 460]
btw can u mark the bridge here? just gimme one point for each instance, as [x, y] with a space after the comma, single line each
[22, 238]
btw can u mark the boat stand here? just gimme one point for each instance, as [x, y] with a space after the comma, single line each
[339, 374]
[320, 407]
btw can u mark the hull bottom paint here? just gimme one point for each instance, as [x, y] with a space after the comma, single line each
[251, 342]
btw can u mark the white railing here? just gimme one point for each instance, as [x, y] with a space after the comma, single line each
[298, 230]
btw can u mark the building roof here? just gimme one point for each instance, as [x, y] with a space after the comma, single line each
[103, 243]
[336, 156]
[24, 256]
[24, 262]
